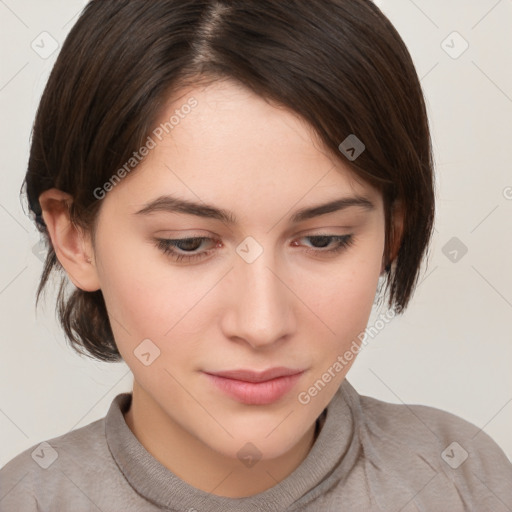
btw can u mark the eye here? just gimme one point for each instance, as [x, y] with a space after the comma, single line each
[188, 245]
[184, 249]
[320, 242]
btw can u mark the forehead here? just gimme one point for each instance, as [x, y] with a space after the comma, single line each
[222, 144]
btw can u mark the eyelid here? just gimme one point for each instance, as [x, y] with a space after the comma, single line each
[169, 246]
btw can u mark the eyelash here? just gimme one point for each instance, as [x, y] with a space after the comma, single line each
[166, 246]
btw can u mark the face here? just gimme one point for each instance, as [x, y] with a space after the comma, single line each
[260, 288]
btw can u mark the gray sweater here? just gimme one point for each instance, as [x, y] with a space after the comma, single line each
[369, 456]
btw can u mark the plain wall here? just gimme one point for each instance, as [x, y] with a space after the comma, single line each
[452, 349]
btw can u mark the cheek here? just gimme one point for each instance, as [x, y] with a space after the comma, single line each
[144, 298]
[344, 297]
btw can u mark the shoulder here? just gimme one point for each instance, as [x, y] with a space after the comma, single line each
[421, 425]
[43, 476]
[49, 465]
[438, 450]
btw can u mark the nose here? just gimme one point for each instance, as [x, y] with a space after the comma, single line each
[260, 305]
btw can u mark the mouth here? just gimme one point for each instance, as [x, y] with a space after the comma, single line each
[256, 388]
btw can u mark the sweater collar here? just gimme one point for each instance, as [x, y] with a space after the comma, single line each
[332, 455]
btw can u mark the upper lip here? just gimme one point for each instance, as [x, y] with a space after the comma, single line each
[255, 376]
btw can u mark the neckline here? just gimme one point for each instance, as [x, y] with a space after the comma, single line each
[334, 452]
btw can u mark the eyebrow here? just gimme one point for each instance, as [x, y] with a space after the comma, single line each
[172, 204]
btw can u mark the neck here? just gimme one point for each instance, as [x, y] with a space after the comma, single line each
[182, 453]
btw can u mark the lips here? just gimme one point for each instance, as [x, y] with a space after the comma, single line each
[254, 376]
[256, 388]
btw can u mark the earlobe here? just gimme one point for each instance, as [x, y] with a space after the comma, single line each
[73, 249]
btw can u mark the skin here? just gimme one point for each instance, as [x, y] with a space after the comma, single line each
[289, 307]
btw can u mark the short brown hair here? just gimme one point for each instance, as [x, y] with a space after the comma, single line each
[340, 64]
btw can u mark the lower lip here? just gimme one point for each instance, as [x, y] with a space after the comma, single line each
[256, 393]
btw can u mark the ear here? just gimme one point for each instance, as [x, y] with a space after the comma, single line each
[73, 249]
[397, 230]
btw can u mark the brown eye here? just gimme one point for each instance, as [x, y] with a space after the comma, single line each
[172, 247]
[319, 242]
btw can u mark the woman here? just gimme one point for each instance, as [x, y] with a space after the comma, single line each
[227, 184]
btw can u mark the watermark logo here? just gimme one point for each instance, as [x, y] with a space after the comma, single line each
[454, 45]
[249, 455]
[343, 360]
[45, 455]
[249, 250]
[151, 143]
[352, 147]
[45, 45]
[454, 455]
[146, 352]
[39, 251]
[455, 250]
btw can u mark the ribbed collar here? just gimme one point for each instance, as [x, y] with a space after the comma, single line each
[330, 459]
